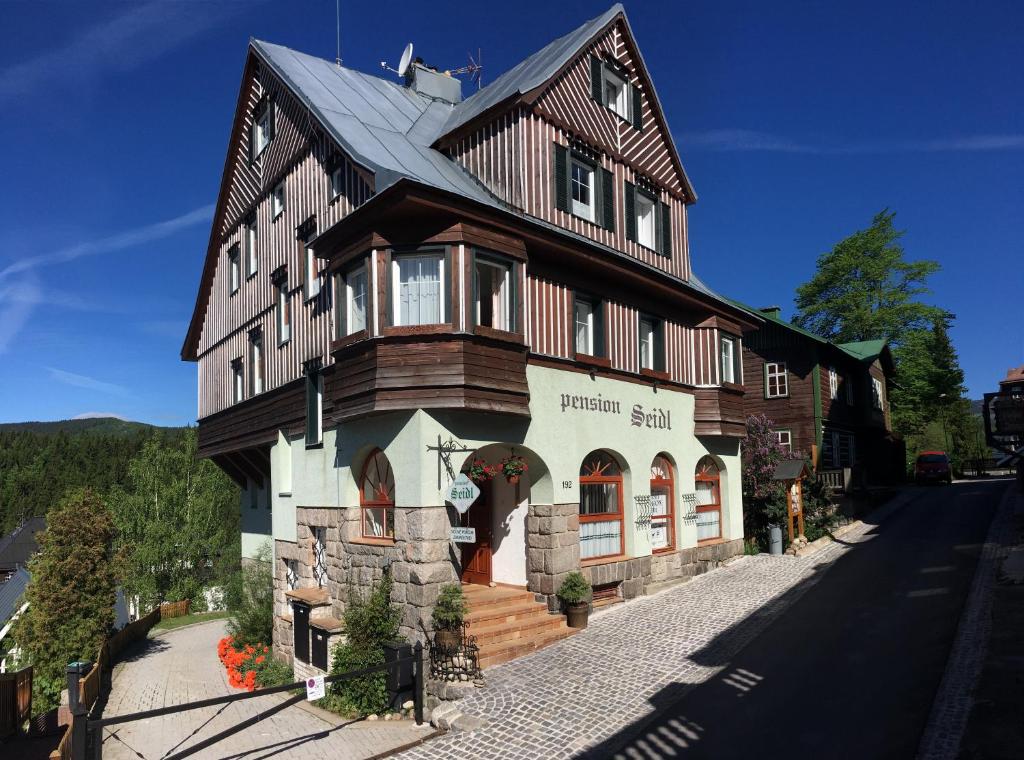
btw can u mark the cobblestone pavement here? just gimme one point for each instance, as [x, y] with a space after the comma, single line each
[948, 718]
[182, 666]
[569, 697]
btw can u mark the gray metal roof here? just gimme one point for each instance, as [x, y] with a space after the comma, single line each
[385, 127]
[530, 73]
[789, 469]
[18, 546]
[10, 593]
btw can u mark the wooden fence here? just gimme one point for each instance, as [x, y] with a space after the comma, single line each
[15, 700]
[91, 685]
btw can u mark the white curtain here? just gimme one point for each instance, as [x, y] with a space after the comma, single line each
[599, 539]
[419, 290]
[705, 493]
[709, 525]
[357, 301]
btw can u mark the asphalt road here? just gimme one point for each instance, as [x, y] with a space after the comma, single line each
[851, 669]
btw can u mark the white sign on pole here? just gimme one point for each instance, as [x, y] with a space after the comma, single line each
[463, 535]
[315, 688]
[462, 493]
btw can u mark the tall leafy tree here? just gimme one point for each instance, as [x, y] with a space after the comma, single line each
[865, 289]
[177, 518]
[71, 595]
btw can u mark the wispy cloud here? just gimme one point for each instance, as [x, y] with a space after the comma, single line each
[737, 140]
[123, 42]
[21, 289]
[84, 381]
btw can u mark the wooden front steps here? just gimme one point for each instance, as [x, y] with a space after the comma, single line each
[509, 623]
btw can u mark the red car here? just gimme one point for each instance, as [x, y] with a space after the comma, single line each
[931, 467]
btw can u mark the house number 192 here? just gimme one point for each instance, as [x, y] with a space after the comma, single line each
[566, 484]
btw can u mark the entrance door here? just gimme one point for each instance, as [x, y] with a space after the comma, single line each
[476, 558]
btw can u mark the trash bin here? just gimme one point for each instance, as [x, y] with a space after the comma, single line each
[775, 540]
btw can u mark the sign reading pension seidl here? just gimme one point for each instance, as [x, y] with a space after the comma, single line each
[462, 493]
[639, 416]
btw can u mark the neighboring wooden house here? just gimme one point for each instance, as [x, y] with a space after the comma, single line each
[828, 401]
[399, 281]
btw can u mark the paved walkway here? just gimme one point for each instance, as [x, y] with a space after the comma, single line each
[635, 659]
[182, 666]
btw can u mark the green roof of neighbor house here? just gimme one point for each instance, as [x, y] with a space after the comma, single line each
[864, 349]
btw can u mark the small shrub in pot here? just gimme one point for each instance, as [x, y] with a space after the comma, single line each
[575, 595]
[448, 616]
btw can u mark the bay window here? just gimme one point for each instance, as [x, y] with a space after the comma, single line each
[601, 523]
[418, 289]
[729, 359]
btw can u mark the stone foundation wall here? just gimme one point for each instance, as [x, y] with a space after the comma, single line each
[552, 548]
[684, 564]
[633, 575]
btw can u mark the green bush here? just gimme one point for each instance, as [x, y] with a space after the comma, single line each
[370, 623]
[450, 610]
[574, 589]
[250, 601]
[819, 511]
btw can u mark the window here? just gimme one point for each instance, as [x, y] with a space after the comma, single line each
[833, 383]
[353, 301]
[284, 312]
[418, 290]
[337, 181]
[589, 328]
[647, 338]
[235, 274]
[645, 223]
[776, 382]
[237, 381]
[251, 257]
[582, 189]
[709, 500]
[493, 283]
[262, 130]
[838, 449]
[311, 268]
[320, 556]
[377, 497]
[291, 574]
[662, 504]
[728, 349]
[848, 387]
[616, 93]
[277, 200]
[785, 439]
[314, 407]
[601, 533]
[255, 363]
[877, 398]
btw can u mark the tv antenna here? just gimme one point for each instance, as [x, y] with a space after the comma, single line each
[474, 68]
[403, 64]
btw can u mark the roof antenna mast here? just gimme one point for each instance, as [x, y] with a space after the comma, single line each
[337, 17]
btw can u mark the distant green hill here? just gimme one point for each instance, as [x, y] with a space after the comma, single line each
[40, 461]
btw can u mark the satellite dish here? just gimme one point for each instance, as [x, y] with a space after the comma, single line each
[403, 65]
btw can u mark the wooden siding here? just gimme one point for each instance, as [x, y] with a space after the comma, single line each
[299, 155]
[706, 357]
[795, 412]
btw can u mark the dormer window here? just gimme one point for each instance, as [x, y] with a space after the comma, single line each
[616, 93]
[582, 183]
[610, 86]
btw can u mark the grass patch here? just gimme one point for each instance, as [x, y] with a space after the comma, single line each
[196, 617]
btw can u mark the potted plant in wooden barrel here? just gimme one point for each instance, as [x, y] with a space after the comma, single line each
[448, 616]
[575, 595]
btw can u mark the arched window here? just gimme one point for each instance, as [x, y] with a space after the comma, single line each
[601, 533]
[709, 500]
[377, 497]
[662, 504]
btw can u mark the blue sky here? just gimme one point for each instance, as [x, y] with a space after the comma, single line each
[797, 122]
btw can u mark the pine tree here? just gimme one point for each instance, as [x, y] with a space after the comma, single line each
[71, 595]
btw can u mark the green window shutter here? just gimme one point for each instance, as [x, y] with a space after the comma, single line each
[607, 200]
[599, 349]
[561, 177]
[596, 79]
[665, 227]
[629, 207]
[638, 108]
[659, 346]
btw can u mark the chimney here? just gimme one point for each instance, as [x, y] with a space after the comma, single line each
[775, 312]
[432, 83]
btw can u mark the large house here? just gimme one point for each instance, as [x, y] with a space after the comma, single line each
[828, 401]
[402, 282]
